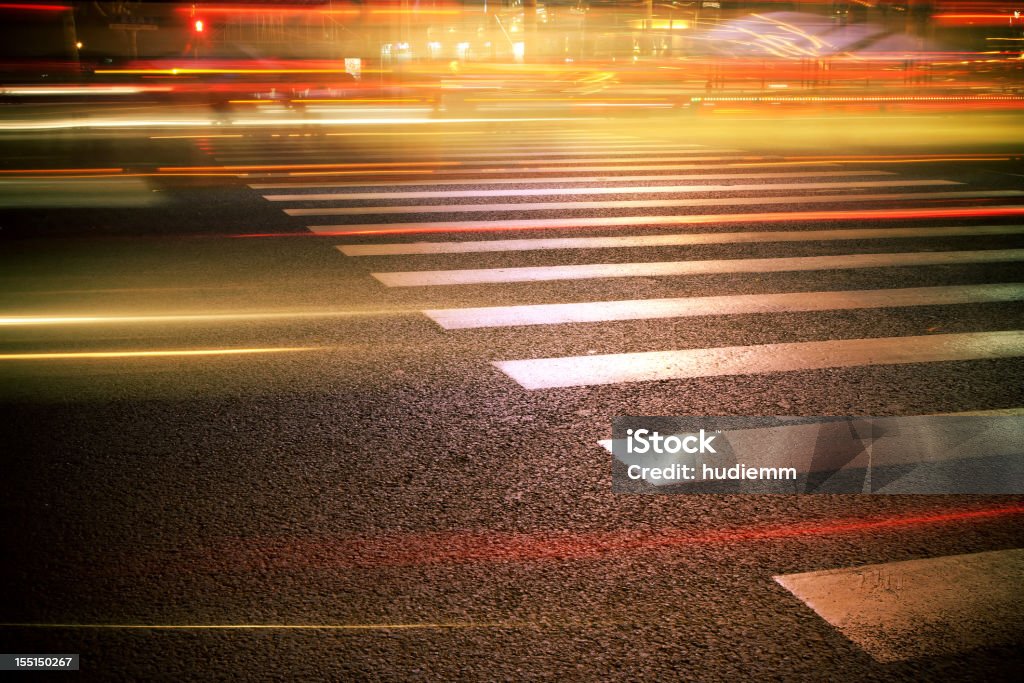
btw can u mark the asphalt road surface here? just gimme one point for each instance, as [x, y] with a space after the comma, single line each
[250, 431]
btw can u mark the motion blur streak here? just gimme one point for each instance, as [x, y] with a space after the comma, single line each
[911, 158]
[201, 136]
[367, 172]
[490, 546]
[11, 321]
[150, 354]
[161, 123]
[279, 167]
[57, 171]
[34, 8]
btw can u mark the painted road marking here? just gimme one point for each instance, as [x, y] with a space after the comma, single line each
[529, 140]
[579, 371]
[662, 221]
[298, 144]
[533, 159]
[645, 309]
[652, 203]
[672, 240]
[575, 179]
[917, 608]
[539, 152]
[761, 163]
[618, 189]
[423, 278]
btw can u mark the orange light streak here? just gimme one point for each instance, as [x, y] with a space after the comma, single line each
[381, 100]
[193, 137]
[352, 11]
[192, 71]
[56, 171]
[34, 8]
[304, 174]
[91, 355]
[285, 167]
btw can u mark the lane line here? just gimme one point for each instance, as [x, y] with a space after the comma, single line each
[647, 309]
[576, 179]
[578, 371]
[619, 189]
[672, 240]
[664, 221]
[917, 608]
[424, 278]
[652, 203]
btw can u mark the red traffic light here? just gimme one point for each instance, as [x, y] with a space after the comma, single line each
[199, 25]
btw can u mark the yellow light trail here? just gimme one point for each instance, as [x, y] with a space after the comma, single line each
[379, 100]
[61, 124]
[56, 171]
[417, 132]
[861, 98]
[330, 173]
[150, 354]
[565, 99]
[29, 320]
[283, 167]
[190, 137]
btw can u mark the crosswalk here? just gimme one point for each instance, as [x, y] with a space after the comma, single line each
[575, 210]
[606, 204]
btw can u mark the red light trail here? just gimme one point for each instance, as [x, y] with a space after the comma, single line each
[462, 547]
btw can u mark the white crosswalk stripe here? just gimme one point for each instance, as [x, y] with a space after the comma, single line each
[557, 151]
[638, 221]
[570, 144]
[421, 278]
[539, 159]
[672, 240]
[651, 203]
[646, 309]
[575, 179]
[728, 162]
[616, 189]
[551, 373]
